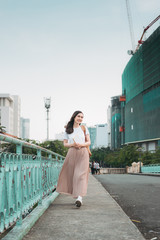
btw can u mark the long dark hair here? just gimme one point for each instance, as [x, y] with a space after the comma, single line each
[69, 127]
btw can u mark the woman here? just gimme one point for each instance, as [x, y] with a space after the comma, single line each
[73, 178]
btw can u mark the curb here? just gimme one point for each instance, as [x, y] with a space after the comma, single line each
[146, 174]
[18, 232]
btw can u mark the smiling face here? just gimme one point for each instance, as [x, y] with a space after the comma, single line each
[79, 118]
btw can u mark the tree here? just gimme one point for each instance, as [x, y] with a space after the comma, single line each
[156, 156]
[147, 158]
[112, 159]
[2, 129]
[128, 154]
[11, 147]
[99, 155]
[55, 146]
[8, 147]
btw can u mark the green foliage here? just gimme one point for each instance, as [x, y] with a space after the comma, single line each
[147, 158]
[27, 150]
[55, 146]
[2, 129]
[124, 157]
[119, 158]
[156, 156]
[8, 147]
[128, 154]
[112, 159]
[99, 154]
[150, 157]
[11, 147]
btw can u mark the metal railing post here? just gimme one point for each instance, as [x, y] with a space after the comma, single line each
[49, 174]
[40, 178]
[19, 152]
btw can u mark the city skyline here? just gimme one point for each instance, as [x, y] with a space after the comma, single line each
[73, 52]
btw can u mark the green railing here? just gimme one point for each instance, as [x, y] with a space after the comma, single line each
[152, 168]
[25, 180]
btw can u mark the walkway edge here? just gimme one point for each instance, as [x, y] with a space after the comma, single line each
[18, 232]
[146, 174]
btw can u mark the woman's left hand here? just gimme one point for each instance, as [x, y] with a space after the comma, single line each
[78, 145]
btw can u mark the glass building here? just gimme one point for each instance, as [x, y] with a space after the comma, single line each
[92, 132]
[98, 136]
[24, 128]
[140, 111]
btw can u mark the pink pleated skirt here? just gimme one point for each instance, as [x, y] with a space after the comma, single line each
[73, 178]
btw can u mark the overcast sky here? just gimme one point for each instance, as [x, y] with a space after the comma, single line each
[73, 51]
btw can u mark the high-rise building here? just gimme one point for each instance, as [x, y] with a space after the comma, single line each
[16, 115]
[6, 112]
[98, 136]
[24, 128]
[92, 132]
[10, 113]
[101, 135]
[135, 114]
[141, 89]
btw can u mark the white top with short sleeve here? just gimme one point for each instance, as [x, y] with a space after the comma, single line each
[77, 135]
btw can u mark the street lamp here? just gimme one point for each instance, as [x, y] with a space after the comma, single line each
[47, 102]
[140, 152]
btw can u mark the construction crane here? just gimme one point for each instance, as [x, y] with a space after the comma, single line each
[130, 26]
[140, 41]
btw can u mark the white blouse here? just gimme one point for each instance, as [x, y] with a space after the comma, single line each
[77, 135]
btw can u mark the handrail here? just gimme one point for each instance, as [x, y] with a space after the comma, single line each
[24, 180]
[16, 141]
[151, 168]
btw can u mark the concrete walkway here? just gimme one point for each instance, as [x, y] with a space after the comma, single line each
[99, 218]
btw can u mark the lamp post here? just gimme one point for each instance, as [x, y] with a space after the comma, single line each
[140, 165]
[47, 102]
